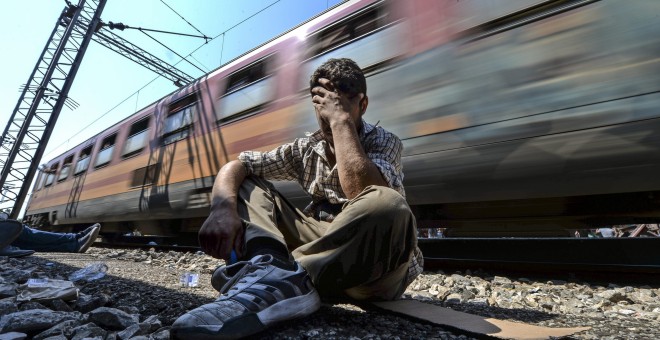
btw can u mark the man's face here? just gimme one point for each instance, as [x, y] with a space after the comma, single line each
[330, 104]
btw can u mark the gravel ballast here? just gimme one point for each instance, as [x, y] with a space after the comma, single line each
[142, 295]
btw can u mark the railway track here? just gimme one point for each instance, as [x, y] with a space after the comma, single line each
[593, 256]
[627, 259]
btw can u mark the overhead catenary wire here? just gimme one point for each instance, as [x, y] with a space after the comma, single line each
[184, 19]
[151, 81]
[171, 50]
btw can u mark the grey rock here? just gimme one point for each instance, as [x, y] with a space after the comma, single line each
[16, 275]
[134, 330]
[58, 305]
[88, 331]
[33, 321]
[13, 336]
[112, 318]
[57, 337]
[8, 289]
[64, 329]
[161, 334]
[153, 323]
[31, 305]
[88, 303]
[613, 295]
[129, 309]
[7, 306]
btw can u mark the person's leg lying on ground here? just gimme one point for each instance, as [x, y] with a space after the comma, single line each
[45, 241]
[265, 287]
[366, 251]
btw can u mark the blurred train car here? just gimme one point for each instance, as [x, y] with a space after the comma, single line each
[522, 117]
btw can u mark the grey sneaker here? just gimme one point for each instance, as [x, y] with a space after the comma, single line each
[87, 230]
[256, 297]
[86, 241]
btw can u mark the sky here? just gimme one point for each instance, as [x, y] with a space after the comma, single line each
[108, 87]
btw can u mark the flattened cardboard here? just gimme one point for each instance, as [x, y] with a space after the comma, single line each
[475, 323]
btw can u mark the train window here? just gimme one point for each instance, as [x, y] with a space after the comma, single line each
[83, 160]
[41, 178]
[179, 120]
[66, 168]
[248, 90]
[50, 177]
[105, 155]
[137, 137]
[338, 34]
[371, 39]
[144, 176]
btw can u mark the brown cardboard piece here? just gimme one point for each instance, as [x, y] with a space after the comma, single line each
[474, 323]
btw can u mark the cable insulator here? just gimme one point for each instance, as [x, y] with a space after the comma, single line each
[118, 26]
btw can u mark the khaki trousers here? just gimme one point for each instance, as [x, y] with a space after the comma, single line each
[363, 254]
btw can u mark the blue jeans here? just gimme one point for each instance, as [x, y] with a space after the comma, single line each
[46, 241]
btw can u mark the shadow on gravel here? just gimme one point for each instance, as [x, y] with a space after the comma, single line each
[147, 299]
[333, 320]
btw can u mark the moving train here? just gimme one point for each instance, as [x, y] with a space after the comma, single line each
[527, 117]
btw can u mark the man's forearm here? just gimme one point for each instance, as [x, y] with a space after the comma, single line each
[226, 185]
[356, 170]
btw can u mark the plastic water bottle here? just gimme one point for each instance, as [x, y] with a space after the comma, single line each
[93, 271]
[189, 280]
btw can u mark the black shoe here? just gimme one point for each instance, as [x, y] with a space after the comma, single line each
[87, 230]
[11, 251]
[86, 241]
[9, 231]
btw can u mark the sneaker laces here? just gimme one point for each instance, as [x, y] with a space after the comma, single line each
[248, 268]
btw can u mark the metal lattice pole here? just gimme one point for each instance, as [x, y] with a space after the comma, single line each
[45, 93]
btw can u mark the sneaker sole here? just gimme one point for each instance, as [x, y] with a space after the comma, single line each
[253, 323]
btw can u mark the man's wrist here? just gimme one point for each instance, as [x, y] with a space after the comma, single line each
[221, 203]
[342, 123]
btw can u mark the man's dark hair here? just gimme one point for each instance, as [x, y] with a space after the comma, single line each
[345, 75]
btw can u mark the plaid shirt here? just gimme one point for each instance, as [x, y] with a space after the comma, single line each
[304, 160]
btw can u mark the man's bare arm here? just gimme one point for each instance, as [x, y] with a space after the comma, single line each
[356, 170]
[223, 229]
[339, 113]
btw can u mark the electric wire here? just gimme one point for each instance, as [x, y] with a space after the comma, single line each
[204, 66]
[184, 19]
[230, 28]
[171, 50]
[158, 76]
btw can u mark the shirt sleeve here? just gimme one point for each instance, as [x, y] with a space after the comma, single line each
[385, 151]
[283, 163]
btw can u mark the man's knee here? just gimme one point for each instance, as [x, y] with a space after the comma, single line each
[382, 203]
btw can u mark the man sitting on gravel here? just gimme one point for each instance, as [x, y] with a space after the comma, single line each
[18, 240]
[356, 239]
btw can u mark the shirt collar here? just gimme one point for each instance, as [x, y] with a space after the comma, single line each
[319, 144]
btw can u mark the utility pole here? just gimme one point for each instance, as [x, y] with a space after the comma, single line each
[46, 92]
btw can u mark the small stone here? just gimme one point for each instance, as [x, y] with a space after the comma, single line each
[112, 318]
